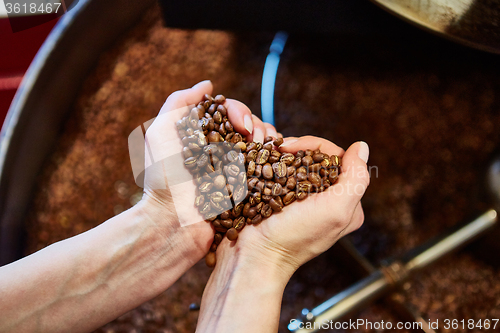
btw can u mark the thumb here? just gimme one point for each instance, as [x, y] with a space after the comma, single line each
[354, 178]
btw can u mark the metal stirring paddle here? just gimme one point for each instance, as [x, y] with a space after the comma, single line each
[396, 271]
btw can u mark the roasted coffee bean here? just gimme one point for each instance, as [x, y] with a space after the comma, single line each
[301, 176]
[315, 167]
[222, 109]
[202, 161]
[214, 136]
[205, 187]
[336, 161]
[257, 197]
[266, 191]
[333, 175]
[252, 183]
[241, 159]
[251, 155]
[232, 180]
[194, 114]
[262, 156]
[301, 195]
[186, 153]
[291, 171]
[211, 110]
[239, 223]
[269, 183]
[252, 212]
[266, 211]
[242, 178]
[291, 183]
[181, 124]
[307, 160]
[279, 169]
[229, 136]
[274, 156]
[205, 208]
[232, 156]
[222, 130]
[251, 146]
[194, 147]
[300, 154]
[266, 198]
[219, 182]
[217, 197]
[210, 259]
[268, 139]
[267, 171]
[268, 147]
[276, 190]
[227, 223]
[259, 206]
[275, 205]
[233, 170]
[246, 209]
[200, 200]
[304, 186]
[250, 168]
[239, 194]
[218, 238]
[257, 219]
[309, 152]
[278, 142]
[241, 146]
[287, 158]
[217, 117]
[258, 171]
[318, 157]
[213, 247]
[280, 180]
[216, 207]
[232, 234]
[238, 209]
[289, 198]
[237, 138]
[220, 99]
[326, 162]
[225, 215]
[323, 172]
[190, 162]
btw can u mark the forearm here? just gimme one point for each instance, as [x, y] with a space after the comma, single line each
[83, 282]
[243, 293]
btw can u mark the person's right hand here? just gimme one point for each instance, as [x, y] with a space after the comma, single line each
[307, 228]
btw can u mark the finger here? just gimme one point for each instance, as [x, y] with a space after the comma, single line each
[271, 131]
[240, 116]
[354, 178]
[280, 135]
[259, 130]
[292, 145]
[186, 97]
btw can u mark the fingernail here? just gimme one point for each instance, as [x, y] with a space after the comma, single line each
[364, 151]
[288, 142]
[200, 83]
[247, 120]
[258, 135]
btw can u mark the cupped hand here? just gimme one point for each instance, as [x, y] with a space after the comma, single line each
[306, 228]
[169, 190]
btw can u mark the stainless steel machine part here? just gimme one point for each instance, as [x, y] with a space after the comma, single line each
[395, 272]
[475, 23]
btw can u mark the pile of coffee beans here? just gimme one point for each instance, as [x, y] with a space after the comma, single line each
[239, 182]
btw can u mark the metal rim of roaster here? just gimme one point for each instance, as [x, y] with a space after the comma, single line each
[45, 98]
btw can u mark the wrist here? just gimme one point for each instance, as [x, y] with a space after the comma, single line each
[167, 231]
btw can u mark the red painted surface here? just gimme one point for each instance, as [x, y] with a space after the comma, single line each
[17, 50]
